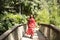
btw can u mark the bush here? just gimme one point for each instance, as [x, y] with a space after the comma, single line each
[42, 16]
[10, 19]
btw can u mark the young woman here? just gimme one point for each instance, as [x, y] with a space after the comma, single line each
[31, 26]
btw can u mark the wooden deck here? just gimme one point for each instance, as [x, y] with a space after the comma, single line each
[37, 36]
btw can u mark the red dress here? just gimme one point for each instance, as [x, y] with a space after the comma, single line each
[31, 26]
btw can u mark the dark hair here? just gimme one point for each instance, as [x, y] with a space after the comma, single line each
[31, 16]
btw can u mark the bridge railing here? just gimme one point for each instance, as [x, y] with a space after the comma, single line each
[15, 33]
[50, 31]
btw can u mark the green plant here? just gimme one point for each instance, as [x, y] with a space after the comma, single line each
[42, 16]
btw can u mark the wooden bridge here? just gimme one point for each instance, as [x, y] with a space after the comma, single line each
[44, 32]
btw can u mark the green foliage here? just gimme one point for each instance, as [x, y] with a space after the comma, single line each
[11, 19]
[31, 5]
[24, 19]
[55, 19]
[43, 16]
[45, 11]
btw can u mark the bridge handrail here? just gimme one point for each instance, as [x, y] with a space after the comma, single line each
[51, 26]
[4, 35]
[50, 31]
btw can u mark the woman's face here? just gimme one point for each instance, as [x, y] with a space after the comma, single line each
[31, 15]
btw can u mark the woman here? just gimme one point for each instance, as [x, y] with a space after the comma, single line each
[31, 26]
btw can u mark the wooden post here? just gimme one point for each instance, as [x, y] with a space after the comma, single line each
[46, 31]
[20, 32]
[48, 34]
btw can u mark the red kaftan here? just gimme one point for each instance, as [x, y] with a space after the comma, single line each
[31, 26]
